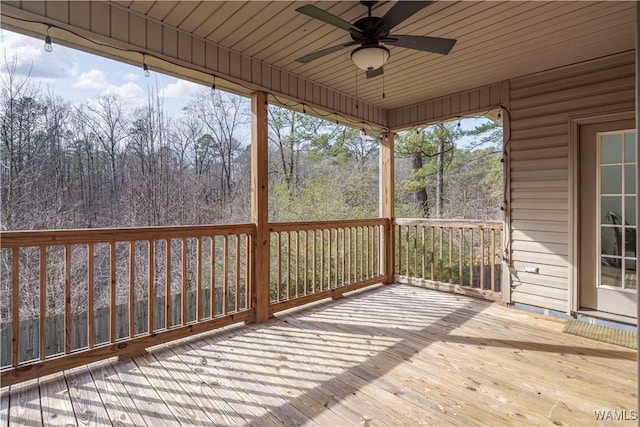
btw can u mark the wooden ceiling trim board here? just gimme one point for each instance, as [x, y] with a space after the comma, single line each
[141, 6]
[200, 15]
[224, 22]
[241, 40]
[260, 15]
[179, 13]
[160, 10]
[81, 13]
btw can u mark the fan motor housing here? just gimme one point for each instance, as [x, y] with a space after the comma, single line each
[369, 26]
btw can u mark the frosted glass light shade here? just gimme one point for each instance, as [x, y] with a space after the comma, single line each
[370, 58]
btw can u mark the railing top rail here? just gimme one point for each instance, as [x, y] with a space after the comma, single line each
[16, 239]
[452, 223]
[319, 225]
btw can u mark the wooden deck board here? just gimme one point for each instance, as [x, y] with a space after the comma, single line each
[87, 406]
[113, 394]
[394, 355]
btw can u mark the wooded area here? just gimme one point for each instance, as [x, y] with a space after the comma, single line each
[101, 163]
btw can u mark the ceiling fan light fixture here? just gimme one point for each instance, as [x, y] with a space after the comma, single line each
[369, 58]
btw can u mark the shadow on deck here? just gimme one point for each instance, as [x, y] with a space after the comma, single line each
[393, 355]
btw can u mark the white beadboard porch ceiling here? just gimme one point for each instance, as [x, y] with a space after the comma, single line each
[496, 40]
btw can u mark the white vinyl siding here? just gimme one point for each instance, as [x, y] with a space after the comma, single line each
[541, 106]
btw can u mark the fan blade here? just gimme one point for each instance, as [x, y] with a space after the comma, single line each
[424, 43]
[315, 55]
[317, 13]
[403, 10]
[375, 73]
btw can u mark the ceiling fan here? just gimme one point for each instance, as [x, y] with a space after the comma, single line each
[372, 32]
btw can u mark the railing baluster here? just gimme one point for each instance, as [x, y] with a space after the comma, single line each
[198, 278]
[306, 261]
[450, 255]
[424, 252]
[329, 256]
[279, 252]
[482, 258]
[43, 302]
[167, 289]
[237, 298]
[225, 275]
[441, 254]
[288, 293]
[212, 285]
[15, 307]
[471, 258]
[90, 296]
[132, 293]
[408, 235]
[112, 292]
[183, 297]
[247, 271]
[321, 259]
[460, 256]
[67, 299]
[151, 291]
[348, 256]
[313, 263]
[492, 260]
[297, 261]
[433, 251]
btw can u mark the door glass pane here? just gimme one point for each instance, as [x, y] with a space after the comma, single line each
[611, 272]
[610, 210]
[630, 147]
[630, 179]
[630, 242]
[611, 179]
[630, 210]
[611, 148]
[611, 241]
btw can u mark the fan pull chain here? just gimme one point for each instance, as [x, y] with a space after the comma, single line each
[356, 88]
[383, 86]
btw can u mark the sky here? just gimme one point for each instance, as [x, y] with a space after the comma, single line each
[78, 76]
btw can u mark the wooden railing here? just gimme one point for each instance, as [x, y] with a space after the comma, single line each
[315, 260]
[75, 296]
[72, 297]
[453, 255]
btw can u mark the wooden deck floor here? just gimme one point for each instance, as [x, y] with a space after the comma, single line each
[395, 355]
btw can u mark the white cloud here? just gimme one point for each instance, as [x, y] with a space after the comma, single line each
[182, 89]
[93, 80]
[132, 77]
[130, 93]
[31, 59]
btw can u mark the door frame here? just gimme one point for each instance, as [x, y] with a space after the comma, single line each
[574, 194]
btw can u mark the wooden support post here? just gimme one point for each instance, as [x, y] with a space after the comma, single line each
[260, 204]
[387, 194]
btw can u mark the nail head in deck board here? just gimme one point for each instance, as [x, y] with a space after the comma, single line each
[55, 402]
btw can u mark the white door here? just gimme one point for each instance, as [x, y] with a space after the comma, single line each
[608, 218]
